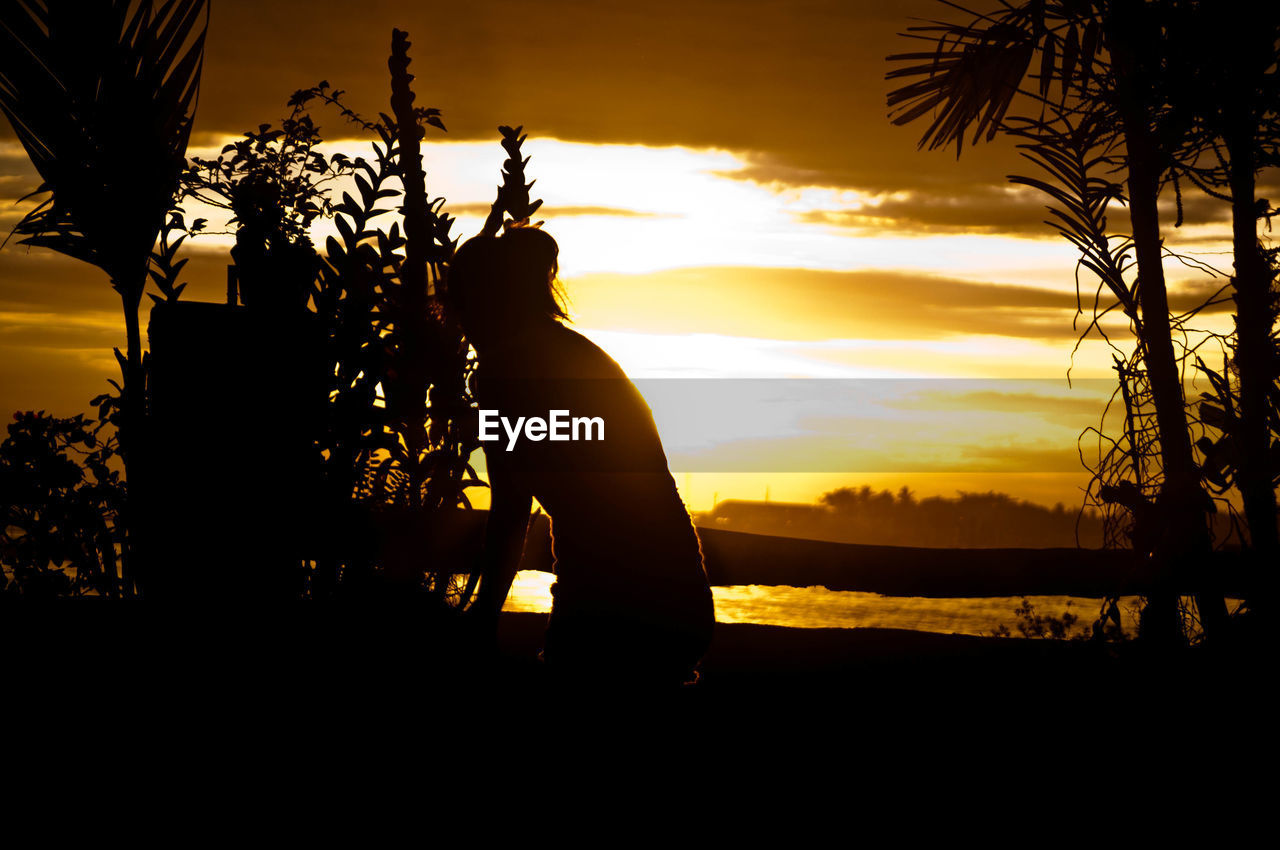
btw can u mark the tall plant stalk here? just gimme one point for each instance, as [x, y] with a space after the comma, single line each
[419, 329]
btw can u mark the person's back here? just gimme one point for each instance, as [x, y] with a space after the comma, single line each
[631, 596]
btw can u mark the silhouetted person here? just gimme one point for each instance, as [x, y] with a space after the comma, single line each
[631, 600]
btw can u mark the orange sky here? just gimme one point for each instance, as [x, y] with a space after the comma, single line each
[729, 196]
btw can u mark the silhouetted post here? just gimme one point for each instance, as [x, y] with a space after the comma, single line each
[236, 396]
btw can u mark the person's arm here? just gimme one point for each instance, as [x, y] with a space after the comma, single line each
[510, 504]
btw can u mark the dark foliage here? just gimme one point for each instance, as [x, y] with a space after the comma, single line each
[61, 497]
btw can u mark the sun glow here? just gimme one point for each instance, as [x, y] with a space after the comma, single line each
[679, 267]
[636, 209]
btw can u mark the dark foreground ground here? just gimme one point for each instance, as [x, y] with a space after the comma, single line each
[348, 661]
[264, 703]
[310, 709]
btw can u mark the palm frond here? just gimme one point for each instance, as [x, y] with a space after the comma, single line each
[972, 77]
[977, 69]
[100, 96]
[1070, 154]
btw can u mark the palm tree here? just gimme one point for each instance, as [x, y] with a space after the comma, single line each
[1229, 99]
[1106, 58]
[100, 95]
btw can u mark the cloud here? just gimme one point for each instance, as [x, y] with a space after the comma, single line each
[808, 304]
[13, 158]
[1012, 402]
[798, 90]
[59, 320]
[800, 85]
[976, 209]
[1063, 410]
[40, 281]
[60, 380]
[998, 209]
[1188, 295]
[82, 330]
[935, 451]
[1039, 456]
[482, 209]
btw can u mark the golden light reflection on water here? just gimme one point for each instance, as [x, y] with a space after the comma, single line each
[817, 608]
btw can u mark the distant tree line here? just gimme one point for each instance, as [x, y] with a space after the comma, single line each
[864, 515]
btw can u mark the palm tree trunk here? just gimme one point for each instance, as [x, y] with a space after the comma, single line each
[133, 570]
[1184, 545]
[1254, 355]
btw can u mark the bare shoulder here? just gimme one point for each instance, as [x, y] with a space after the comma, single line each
[568, 354]
[549, 353]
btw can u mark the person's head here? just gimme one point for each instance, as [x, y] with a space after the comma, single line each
[498, 285]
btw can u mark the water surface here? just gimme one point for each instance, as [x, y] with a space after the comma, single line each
[817, 607]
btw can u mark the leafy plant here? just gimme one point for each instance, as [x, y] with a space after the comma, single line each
[1031, 624]
[272, 183]
[512, 202]
[61, 499]
[398, 438]
[165, 267]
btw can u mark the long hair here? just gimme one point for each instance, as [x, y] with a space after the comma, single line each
[507, 279]
[531, 261]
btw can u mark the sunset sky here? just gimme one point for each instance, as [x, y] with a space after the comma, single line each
[731, 201]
